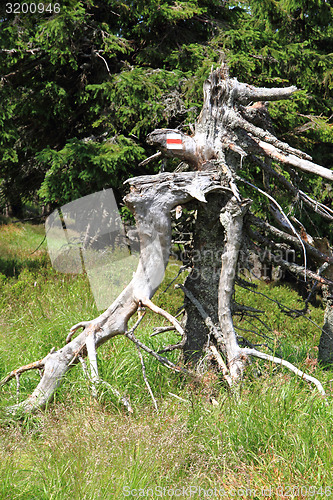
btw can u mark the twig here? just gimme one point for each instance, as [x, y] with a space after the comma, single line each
[159, 358]
[285, 309]
[150, 158]
[145, 377]
[31, 366]
[173, 347]
[38, 247]
[82, 324]
[106, 64]
[287, 364]
[181, 270]
[114, 391]
[244, 309]
[222, 365]
[256, 331]
[180, 311]
[40, 244]
[162, 329]
[284, 215]
[177, 397]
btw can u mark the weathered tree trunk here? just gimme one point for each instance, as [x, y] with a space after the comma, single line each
[232, 219]
[227, 130]
[151, 199]
[325, 348]
[203, 281]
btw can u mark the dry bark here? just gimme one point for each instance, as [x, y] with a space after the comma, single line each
[325, 348]
[151, 198]
[228, 129]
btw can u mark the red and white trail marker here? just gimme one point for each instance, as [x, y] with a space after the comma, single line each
[174, 141]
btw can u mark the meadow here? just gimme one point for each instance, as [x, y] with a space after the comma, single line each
[270, 439]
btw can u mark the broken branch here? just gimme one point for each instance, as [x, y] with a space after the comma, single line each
[287, 364]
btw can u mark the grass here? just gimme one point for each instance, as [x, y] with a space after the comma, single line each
[276, 432]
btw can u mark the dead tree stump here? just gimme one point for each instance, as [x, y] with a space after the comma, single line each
[229, 129]
[203, 281]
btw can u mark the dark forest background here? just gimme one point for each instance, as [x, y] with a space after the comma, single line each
[81, 89]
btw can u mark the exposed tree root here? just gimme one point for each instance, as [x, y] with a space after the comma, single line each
[37, 365]
[253, 352]
[152, 200]
[222, 365]
[97, 382]
[158, 310]
[225, 134]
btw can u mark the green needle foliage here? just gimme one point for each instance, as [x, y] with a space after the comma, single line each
[81, 88]
[79, 91]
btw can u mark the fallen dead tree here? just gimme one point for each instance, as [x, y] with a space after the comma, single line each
[226, 132]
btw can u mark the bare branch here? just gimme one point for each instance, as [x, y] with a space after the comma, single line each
[291, 239]
[299, 270]
[235, 120]
[221, 363]
[292, 267]
[145, 378]
[315, 205]
[284, 215]
[246, 93]
[290, 366]
[150, 158]
[293, 160]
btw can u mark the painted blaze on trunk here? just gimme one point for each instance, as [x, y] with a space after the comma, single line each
[233, 124]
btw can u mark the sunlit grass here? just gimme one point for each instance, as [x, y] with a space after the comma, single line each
[21, 246]
[276, 431]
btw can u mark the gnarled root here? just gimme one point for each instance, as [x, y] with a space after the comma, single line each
[151, 198]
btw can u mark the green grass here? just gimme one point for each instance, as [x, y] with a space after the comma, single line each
[18, 248]
[276, 432]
